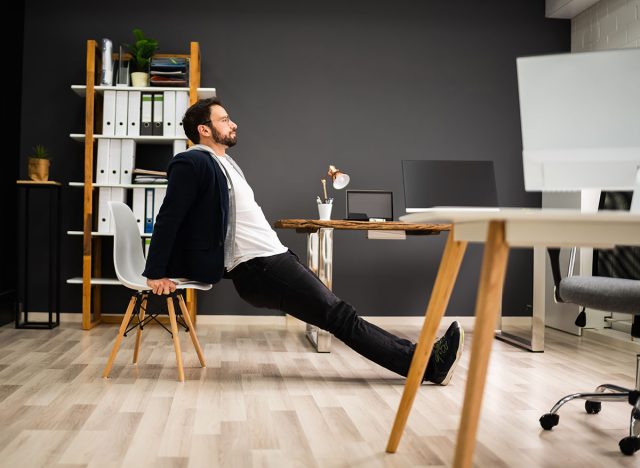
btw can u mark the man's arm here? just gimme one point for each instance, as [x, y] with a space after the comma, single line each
[181, 193]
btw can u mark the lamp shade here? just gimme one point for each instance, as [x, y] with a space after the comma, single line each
[340, 179]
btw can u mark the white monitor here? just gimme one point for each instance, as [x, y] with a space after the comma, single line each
[580, 116]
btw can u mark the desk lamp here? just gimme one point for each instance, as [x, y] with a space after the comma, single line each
[340, 179]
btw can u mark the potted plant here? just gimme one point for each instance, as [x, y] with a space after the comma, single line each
[141, 52]
[39, 162]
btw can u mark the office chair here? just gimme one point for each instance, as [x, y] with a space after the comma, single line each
[602, 293]
[129, 262]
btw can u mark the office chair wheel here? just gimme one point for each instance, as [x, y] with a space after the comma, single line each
[592, 407]
[629, 445]
[549, 421]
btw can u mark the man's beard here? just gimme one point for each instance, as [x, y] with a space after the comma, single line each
[228, 141]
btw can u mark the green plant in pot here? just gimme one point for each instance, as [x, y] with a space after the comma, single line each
[141, 52]
[39, 162]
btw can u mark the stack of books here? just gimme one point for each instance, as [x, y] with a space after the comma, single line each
[169, 71]
[145, 176]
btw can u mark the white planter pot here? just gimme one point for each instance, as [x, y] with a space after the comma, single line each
[139, 79]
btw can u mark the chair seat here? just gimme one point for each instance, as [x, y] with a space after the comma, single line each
[139, 283]
[602, 293]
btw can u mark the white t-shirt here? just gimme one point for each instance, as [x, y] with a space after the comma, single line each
[254, 236]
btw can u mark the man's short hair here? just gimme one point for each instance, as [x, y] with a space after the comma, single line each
[198, 114]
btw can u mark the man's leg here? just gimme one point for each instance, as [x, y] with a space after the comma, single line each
[282, 282]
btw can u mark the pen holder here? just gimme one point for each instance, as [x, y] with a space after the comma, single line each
[324, 211]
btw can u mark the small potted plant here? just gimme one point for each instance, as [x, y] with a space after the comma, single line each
[39, 162]
[141, 52]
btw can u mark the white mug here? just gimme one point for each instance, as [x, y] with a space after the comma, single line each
[324, 210]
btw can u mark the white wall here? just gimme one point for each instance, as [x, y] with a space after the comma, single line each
[609, 24]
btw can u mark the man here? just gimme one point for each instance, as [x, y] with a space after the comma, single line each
[210, 227]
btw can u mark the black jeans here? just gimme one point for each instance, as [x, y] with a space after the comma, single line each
[281, 282]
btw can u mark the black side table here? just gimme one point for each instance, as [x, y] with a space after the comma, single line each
[53, 257]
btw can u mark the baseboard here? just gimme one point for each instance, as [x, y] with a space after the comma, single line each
[382, 321]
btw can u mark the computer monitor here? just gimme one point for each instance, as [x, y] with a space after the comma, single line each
[445, 183]
[580, 117]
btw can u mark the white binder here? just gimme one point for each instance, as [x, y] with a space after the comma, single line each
[179, 146]
[102, 161]
[109, 113]
[122, 101]
[169, 113]
[115, 147]
[118, 194]
[127, 160]
[133, 115]
[158, 126]
[158, 198]
[104, 218]
[182, 104]
[138, 207]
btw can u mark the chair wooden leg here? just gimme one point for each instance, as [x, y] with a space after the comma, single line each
[494, 265]
[123, 328]
[192, 331]
[447, 273]
[136, 349]
[176, 338]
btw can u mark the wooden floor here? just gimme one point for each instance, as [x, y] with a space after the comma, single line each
[267, 400]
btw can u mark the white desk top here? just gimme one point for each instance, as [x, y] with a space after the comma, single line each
[527, 227]
[459, 215]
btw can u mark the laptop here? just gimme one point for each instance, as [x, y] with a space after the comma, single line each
[452, 185]
[363, 205]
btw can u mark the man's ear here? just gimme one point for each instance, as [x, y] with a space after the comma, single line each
[204, 130]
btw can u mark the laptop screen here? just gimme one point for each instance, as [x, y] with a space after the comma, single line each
[365, 204]
[448, 183]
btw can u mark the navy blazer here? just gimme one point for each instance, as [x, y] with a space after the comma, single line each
[189, 231]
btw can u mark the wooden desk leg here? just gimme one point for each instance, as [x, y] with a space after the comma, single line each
[446, 279]
[494, 265]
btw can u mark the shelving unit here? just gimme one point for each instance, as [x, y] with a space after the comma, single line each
[92, 279]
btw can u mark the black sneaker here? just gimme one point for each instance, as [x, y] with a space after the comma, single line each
[445, 355]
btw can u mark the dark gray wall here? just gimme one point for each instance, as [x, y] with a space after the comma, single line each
[359, 84]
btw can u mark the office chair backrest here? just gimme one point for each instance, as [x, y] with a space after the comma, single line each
[128, 258]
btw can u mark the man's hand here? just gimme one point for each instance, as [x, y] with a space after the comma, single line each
[161, 286]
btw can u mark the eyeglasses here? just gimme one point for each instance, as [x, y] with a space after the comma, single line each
[224, 120]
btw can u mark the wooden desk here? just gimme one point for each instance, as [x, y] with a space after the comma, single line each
[320, 252]
[499, 231]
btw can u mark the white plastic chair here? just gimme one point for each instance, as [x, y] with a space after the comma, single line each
[129, 263]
